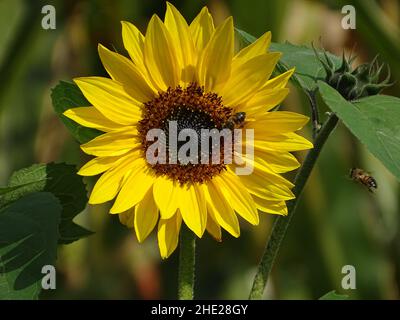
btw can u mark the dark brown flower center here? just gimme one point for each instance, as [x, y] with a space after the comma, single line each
[188, 108]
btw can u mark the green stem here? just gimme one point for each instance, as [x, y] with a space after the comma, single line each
[282, 222]
[314, 112]
[186, 264]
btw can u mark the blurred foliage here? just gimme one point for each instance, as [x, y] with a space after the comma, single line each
[37, 209]
[338, 222]
[28, 238]
[62, 181]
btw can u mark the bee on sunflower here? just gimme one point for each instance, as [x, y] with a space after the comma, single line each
[189, 74]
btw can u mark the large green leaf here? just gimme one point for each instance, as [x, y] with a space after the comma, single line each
[244, 38]
[374, 120]
[332, 295]
[8, 189]
[70, 232]
[63, 182]
[28, 241]
[66, 96]
[308, 69]
[8, 292]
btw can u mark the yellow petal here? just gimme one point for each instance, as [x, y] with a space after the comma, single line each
[127, 218]
[124, 71]
[110, 99]
[166, 196]
[215, 63]
[192, 207]
[98, 165]
[238, 196]
[274, 207]
[279, 82]
[258, 47]
[278, 122]
[108, 185]
[220, 208]
[267, 186]
[202, 203]
[264, 101]
[255, 161]
[182, 42]
[160, 55]
[168, 235]
[146, 216]
[201, 29]
[279, 162]
[139, 181]
[283, 142]
[248, 77]
[133, 41]
[112, 143]
[213, 228]
[263, 169]
[92, 118]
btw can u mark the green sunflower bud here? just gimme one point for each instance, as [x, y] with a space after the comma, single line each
[362, 81]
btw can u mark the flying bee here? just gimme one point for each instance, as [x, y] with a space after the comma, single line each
[235, 121]
[363, 178]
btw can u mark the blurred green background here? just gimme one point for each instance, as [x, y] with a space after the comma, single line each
[338, 222]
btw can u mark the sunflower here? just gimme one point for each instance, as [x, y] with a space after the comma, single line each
[189, 74]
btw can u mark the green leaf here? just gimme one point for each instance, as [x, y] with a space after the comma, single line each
[7, 291]
[66, 96]
[373, 120]
[332, 295]
[7, 190]
[63, 182]
[308, 69]
[70, 232]
[244, 38]
[28, 241]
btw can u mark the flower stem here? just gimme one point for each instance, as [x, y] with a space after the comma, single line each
[314, 112]
[282, 222]
[186, 264]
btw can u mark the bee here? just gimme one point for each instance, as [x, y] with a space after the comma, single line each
[363, 178]
[235, 121]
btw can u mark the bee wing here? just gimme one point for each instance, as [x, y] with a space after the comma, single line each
[348, 176]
